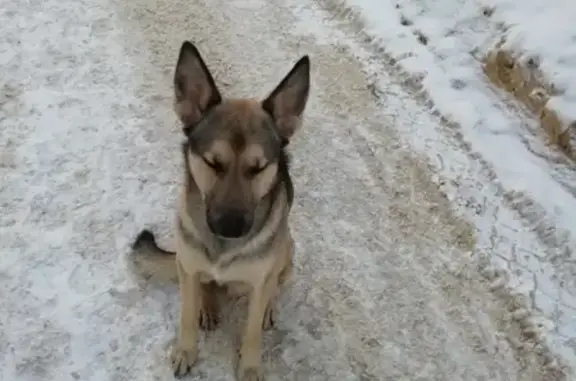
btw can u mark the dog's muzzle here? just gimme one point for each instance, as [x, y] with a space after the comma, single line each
[229, 223]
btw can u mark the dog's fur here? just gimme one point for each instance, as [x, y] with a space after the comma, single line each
[232, 220]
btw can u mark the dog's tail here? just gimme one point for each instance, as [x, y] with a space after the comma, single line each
[151, 261]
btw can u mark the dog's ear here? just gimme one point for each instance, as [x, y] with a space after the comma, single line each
[287, 102]
[194, 88]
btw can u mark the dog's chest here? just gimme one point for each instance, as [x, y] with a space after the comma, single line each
[233, 282]
[227, 268]
[217, 273]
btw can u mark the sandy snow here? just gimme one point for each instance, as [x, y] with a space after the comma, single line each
[491, 160]
[402, 218]
[544, 31]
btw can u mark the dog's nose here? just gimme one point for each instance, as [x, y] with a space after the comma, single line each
[229, 223]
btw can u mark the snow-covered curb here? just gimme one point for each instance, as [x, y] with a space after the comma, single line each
[535, 60]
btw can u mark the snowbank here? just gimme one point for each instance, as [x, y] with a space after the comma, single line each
[536, 61]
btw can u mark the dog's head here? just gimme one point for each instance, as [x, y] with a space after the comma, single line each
[235, 146]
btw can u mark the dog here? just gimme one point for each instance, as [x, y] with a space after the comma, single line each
[232, 226]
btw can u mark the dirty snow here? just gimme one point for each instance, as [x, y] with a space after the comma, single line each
[520, 194]
[391, 283]
[544, 31]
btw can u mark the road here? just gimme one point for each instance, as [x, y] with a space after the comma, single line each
[385, 285]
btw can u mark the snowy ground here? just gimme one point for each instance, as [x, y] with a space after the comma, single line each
[416, 184]
[519, 191]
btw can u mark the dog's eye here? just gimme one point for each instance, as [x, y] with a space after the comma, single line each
[215, 165]
[253, 171]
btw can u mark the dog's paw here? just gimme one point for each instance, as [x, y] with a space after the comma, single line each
[249, 374]
[269, 318]
[247, 370]
[209, 319]
[183, 359]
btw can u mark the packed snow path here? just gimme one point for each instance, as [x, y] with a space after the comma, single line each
[384, 285]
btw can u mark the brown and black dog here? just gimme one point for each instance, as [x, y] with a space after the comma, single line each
[232, 218]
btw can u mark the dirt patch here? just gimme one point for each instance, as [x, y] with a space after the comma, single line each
[524, 79]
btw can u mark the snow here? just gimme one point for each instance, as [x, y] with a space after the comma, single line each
[543, 31]
[389, 282]
[71, 138]
[449, 72]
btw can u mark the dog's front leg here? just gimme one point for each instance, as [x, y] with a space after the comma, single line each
[185, 352]
[284, 277]
[250, 356]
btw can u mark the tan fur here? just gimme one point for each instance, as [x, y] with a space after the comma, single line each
[259, 278]
[244, 272]
[204, 177]
[251, 156]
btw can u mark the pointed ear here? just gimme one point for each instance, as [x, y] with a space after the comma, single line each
[194, 88]
[287, 102]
